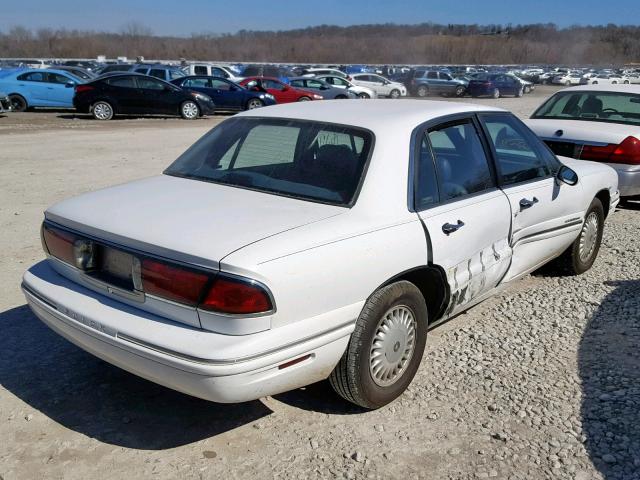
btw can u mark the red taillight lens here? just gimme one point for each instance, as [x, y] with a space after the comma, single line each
[627, 152]
[83, 88]
[172, 282]
[59, 244]
[228, 295]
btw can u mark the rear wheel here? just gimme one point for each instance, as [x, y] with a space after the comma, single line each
[520, 92]
[422, 91]
[385, 348]
[496, 93]
[626, 82]
[567, 83]
[189, 110]
[395, 93]
[364, 95]
[460, 91]
[304, 99]
[254, 103]
[18, 103]
[102, 110]
[579, 257]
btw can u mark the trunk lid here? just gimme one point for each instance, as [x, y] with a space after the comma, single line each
[582, 131]
[185, 220]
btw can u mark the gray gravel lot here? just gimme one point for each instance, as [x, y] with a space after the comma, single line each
[540, 382]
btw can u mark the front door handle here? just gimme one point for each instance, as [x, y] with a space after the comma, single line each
[449, 228]
[525, 203]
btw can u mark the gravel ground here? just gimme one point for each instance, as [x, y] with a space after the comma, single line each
[542, 381]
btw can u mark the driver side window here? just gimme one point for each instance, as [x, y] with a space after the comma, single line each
[518, 155]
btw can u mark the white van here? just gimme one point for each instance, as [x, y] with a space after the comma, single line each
[211, 70]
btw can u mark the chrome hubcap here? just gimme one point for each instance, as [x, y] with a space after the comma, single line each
[190, 110]
[393, 345]
[254, 104]
[102, 111]
[588, 237]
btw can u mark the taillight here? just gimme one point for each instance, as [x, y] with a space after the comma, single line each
[83, 88]
[626, 152]
[228, 295]
[171, 282]
[59, 243]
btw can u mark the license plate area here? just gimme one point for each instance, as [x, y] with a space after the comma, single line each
[115, 267]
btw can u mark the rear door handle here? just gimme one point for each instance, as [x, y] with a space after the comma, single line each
[449, 228]
[525, 203]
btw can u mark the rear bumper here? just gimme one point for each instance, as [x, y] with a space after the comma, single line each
[628, 179]
[220, 368]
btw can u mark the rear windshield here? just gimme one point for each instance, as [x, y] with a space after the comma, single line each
[297, 158]
[611, 107]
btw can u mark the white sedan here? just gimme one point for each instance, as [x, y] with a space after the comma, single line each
[312, 241]
[341, 82]
[382, 86]
[602, 79]
[599, 123]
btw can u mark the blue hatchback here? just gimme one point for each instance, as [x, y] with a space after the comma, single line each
[495, 85]
[39, 88]
[226, 94]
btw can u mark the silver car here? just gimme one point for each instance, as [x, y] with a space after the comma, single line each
[329, 92]
[341, 82]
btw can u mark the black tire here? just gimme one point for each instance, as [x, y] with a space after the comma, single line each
[18, 103]
[102, 110]
[496, 93]
[189, 110]
[352, 378]
[422, 91]
[568, 83]
[304, 99]
[340, 97]
[460, 91]
[571, 260]
[364, 96]
[254, 103]
[594, 83]
[395, 93]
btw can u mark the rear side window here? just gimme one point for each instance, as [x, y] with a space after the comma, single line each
[123, 82]
[296, 158]
[57, 78]
[433, 75]
[158, 73]
[461, 163]
[518, 152]
[196, 82]
[200, 70]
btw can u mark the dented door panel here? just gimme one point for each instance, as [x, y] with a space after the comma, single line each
[477, 255]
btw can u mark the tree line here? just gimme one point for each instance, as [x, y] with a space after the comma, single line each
[426, 43]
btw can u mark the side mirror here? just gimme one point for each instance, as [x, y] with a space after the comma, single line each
[285, 88]
[567, 175]
[70, 84]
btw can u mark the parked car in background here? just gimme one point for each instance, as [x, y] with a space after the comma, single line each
[328, 92]
[163, 72]
[569, 78]
[631, 78]
[311, 249]
[282, 92]
[422, 83]
[316, 72]
[85, 64]
[341, 82]
[602, 79]
[597, 123]
[30, 63]
[34, 88]
[225, 94]
[382, 86]
[136, 94]
[211, 70]
[495, 85]
[5, 102]
[282, 74]
[115, 67]
[79, 72]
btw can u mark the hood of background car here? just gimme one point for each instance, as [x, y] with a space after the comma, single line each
[581, 130]
[185, 220]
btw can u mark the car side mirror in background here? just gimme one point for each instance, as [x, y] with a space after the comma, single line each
[285, 88]
[567, 175]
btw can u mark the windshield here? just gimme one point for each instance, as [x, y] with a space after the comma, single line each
[593, 106]
[296, 158]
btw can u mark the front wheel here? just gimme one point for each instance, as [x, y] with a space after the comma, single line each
[460, 91]
[102, 110]
[304, 99]
[364, 95]
[422, 91]
[385, 348]
[395, 93]
[496, 93]
[254, 103]
[189, 110]
[579, 257]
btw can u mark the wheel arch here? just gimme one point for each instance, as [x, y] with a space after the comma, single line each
[605, 198]
[431, 280]
[17, 94]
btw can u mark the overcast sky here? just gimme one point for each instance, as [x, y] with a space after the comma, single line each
[214, 16]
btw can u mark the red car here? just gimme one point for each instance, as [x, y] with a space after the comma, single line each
[282, 92]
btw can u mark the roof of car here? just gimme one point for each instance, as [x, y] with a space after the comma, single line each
[372, 114]
[635, 89]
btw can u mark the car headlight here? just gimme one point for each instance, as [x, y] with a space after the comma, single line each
[267, 95]
[317, 97]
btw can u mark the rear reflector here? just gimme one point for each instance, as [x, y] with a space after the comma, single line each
[628, 152]
[294, 362]
[228, 295]
[83, 88]
[171, 282]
